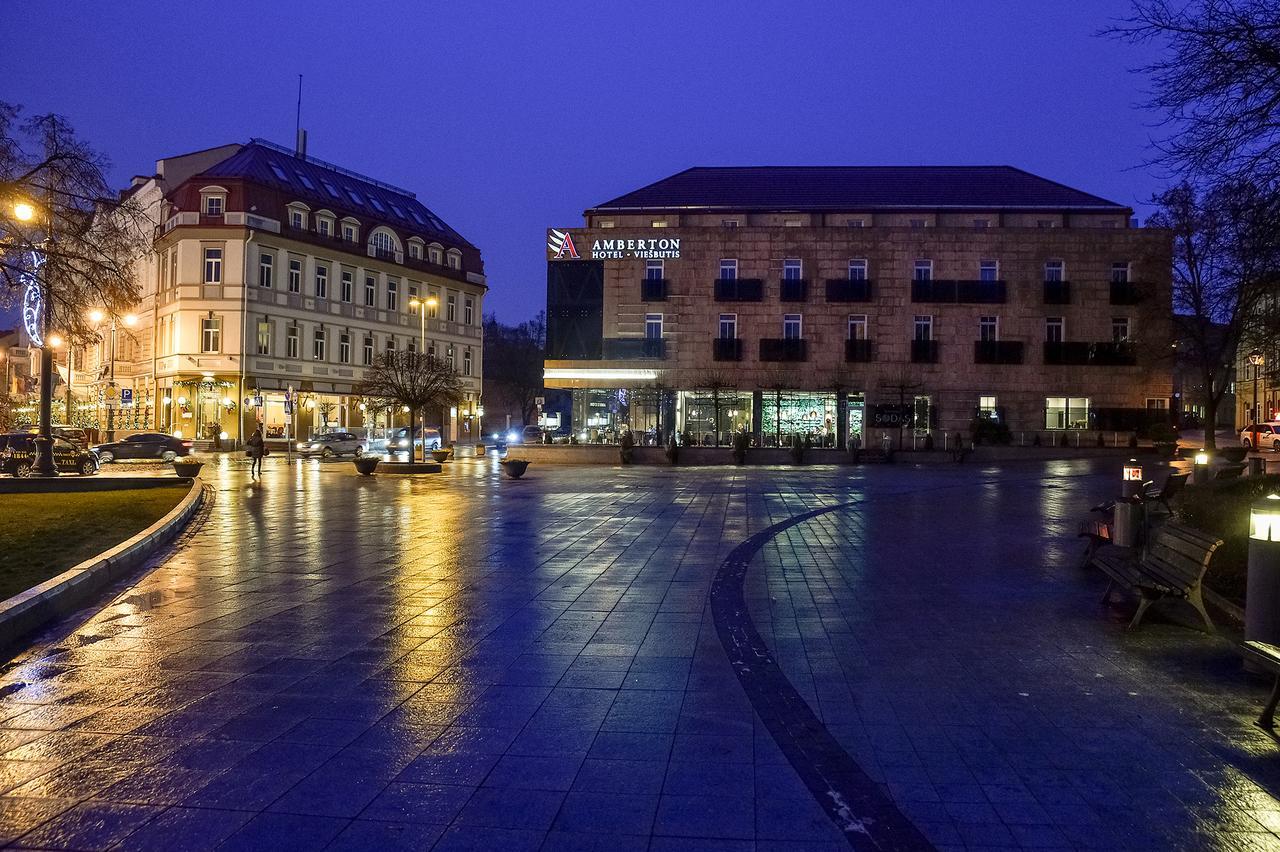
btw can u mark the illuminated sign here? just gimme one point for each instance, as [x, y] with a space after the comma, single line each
[33, 301]
[561, 246]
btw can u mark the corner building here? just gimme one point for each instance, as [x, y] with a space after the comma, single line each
[859, 302]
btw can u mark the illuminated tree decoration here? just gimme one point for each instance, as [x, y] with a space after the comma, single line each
[33, 301]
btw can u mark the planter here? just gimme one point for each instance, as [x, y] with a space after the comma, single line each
[187, 469]
[515, 468]
[366, 465]
[441, 455]
[1234, 455]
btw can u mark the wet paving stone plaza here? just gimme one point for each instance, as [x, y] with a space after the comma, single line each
[887, 657]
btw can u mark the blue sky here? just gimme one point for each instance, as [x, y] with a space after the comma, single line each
[507, 118]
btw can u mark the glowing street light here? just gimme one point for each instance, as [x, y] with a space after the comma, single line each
[24, 211]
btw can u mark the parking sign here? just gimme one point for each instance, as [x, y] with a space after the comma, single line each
[126, 397]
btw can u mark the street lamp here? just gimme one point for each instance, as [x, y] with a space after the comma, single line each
[24, 211]
[421, 306]
[1256, 359]
[96, 317]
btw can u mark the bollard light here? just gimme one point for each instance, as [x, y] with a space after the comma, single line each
[1200, 468]
[1264, 519]
[1262, 584]
[1202, 457]
[1131, 486]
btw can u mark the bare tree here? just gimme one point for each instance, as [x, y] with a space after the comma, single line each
[513, 356]
[717, 385]
[1218, 84]
[411, 379]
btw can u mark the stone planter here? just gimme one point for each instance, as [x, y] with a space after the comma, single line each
[441, 456]
[515, 468]
[366, 465]
[187, 469]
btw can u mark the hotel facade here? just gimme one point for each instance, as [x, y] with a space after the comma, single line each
[274, 275]
[857, 303]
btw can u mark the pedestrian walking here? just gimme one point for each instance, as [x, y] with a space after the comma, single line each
[257, 449]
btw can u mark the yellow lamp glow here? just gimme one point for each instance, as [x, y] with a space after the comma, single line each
[1202, 457]
[96, 316]
[182, 400]
[413, 304]
[405, 409]
[1132, 471]
[55, 340]
[1264, 519]
[432, 301]
[177, 433]
[130, 319]
[24, 211]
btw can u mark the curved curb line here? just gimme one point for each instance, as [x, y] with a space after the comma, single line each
[57, 596]
[860, 809]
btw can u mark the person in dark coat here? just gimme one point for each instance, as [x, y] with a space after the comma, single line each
[256, 445]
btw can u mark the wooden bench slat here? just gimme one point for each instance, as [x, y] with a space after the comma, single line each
[1173, 565]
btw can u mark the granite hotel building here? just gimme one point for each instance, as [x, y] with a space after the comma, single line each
[842, 302]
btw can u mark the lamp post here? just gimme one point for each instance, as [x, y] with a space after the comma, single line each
[1262, 597]
[96, 317]
[1256, 359]
[37, 316]
[421, 306]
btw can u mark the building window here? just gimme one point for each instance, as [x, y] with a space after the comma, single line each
[728, 223]
[1045, 223]
[1054, 271]
[344, 348]
[728, 269]
[295, 275]
[1157, 403]
[213, 266]
[728, 326]
[987, 407]
[349, 233]
[393, 294]
[1062, 412]
[1054, 330]
[857, 326]
[792, 327]
[918, 223]
[923, 270]
[391, 343]
[855, 223]
[322, 281]
[323, 226]
[318, 345]
[653, 326]
[382, 244]
[924, 327]
[451, 308]
[211, 334]
[413, 346]
[296, 219]
[988, 329]
[658, 223]
[366, 356]
[448, 357]
[347, 278]
[415, 251]
[988, 270]
[1119, 329]
[264, 337]
[605, 223]
[793, 223]
[213, 205]
[431, 349]
[370, 291]
[1120, 272]
[266, 268]
[981, 223]
[435, 255]
[466, 361]
[291, 342]
[792, 269]
[453, 259]
[858, 269]
[433, 308]
[654, 270]
[469, 311]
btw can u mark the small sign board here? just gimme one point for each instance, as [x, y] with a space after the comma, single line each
[111, 396]
[126, 397]
[890, 416]
[288, 407]
[257, 400]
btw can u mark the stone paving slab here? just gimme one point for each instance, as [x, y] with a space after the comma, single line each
[469, 662]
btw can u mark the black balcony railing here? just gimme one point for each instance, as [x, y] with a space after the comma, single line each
[848, 290]
[726, 348]
[1125, 293]
[739, 290]
[783, 349]
[1057, 292]
[924, 351]
[1084, 353]
[858, 351]
[634, 348]
[968, 292]
[997, 352]
[794, 290]
[653, 290]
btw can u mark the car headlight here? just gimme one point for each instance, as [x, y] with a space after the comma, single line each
[512, 437]
[302, 445]
[404, 442]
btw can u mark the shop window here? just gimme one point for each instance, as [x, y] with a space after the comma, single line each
[1061, 412]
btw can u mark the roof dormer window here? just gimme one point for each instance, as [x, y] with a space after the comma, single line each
[298, 213]
[213, 200]
[415, 248]
[435, 253]
[453, 259]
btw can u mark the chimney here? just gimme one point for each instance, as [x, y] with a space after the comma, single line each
[301, 150]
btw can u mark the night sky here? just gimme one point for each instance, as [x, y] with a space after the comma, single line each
[507, 118]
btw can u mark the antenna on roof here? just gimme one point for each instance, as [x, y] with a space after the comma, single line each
[300, 135]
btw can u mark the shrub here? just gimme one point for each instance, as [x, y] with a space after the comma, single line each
[1162, 433]
[797, 449]
[1222, 510]
[989, 430]
[741, 440]
[626, 447]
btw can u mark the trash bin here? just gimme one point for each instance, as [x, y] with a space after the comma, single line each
[1126, 527]
[1257, 465]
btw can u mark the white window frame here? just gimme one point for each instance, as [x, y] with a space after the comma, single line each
[992, 322]
[344, 347]
[1121, 329]
[857, 328]
[729, 321]
[1052, 267]
[295, 275]
[466, 361]
[212, 264]
[393, 294]
[212, 200]
[347, 285]
[319, 344]
[1121, 272]
[792, 269]
[652, 321]
[468, 311]
[451, 308]
[796, 320]
[322, 280]
[210, 335]
[370, 291]
[922, 265]
[367, 348]
[1060, 323]
[859, 269]
[651, 266]
[729, 264]
[992, 266]
[266, 269]
[925, 322]
[292, 341]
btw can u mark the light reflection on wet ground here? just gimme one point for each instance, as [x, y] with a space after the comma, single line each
[463, 659]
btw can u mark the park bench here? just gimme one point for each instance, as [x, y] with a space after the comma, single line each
[1267, 658]
[1172, 566]
[1097, 531]
[1173, 484]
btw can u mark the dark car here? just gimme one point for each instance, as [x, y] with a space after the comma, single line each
[18, 456]
[144, 445]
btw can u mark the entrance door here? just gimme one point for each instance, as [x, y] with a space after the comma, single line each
[857, 408]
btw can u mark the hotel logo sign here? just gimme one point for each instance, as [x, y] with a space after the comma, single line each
[561, 246]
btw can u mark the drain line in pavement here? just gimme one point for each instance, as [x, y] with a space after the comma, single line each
[855, 803]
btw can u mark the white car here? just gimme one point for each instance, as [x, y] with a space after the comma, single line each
[1267, 435]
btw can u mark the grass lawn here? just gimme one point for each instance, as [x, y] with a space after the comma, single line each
[42, 535]
[1222, 509]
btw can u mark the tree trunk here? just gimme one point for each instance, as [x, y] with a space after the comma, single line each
[413, 447]
[1210, 421]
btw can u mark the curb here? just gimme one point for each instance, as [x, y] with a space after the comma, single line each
[27, 611]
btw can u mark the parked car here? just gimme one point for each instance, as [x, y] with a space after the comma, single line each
[18, 456]
[532, 435]
[1267, 435]
[331, 444]
[398, 440]
[144, 445]
[74, 434]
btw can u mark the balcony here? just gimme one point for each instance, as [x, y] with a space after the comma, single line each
[924, 351]
[997, 352]
[848, 290]
[1057, 292]
[794, 290]
[1082, 353]
[783, 349]
[653, 290]
[959, 292]
[634, 348]
[739, 290]
[726, 348]
[858, 351]
[1125, 293]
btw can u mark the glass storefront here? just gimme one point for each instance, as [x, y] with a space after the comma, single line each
[700, 415]
[856, 406]
[788, 413]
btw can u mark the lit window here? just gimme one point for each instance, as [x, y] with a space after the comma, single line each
[605, 223]
[1061, 412]
[213, 266]
[211, 335]
[987, 407]
[793, 223]
[448, 356]
[318, 345]
[792, 327]
[857, 326]
[659, 223]
[653, 326]
[264, 337]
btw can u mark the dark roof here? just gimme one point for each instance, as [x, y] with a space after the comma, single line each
[855, 188]
[311, 180]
